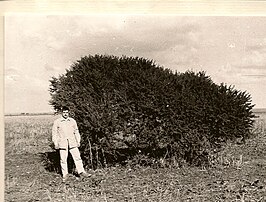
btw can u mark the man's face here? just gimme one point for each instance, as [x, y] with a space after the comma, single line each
[65, 114]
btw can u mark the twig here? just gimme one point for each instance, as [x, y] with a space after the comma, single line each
[90, 153]
[104, 159]
[97, 157]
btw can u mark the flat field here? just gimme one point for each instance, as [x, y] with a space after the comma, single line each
[239, 173]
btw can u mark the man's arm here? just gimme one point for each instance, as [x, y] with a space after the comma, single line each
[76, 132]
[55, 135]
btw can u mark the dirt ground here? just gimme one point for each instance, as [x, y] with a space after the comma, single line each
[28, 179]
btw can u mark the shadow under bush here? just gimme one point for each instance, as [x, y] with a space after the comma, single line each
[51, 162]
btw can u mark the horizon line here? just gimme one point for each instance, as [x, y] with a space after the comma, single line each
[51, 113]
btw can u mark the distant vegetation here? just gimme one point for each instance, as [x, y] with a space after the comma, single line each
[28, 114]
[131, 110]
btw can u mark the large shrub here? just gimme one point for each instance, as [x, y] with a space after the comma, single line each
[125, 106]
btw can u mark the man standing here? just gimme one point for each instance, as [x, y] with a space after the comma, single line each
[66, 138]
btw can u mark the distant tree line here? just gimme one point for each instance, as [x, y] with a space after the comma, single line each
[28, 114]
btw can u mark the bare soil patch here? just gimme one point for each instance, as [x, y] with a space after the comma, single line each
[28, 179]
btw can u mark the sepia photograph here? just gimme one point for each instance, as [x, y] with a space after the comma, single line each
[124, 107]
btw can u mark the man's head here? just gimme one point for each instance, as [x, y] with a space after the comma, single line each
[65, 112]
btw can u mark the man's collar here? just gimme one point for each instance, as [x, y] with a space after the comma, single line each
[63, 119]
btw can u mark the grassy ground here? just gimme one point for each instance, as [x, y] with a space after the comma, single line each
[238, 175]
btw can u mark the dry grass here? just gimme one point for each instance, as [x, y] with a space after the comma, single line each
[239, 174]
[27, 134]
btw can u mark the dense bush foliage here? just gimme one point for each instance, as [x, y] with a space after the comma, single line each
[127, 106]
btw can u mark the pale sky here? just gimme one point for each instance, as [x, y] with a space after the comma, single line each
[230, 49]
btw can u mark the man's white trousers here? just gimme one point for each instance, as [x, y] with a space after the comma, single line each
[76, 157]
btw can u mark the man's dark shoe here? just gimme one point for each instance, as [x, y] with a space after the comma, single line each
[84, 175]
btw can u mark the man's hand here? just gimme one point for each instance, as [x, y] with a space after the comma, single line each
[56, 145]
